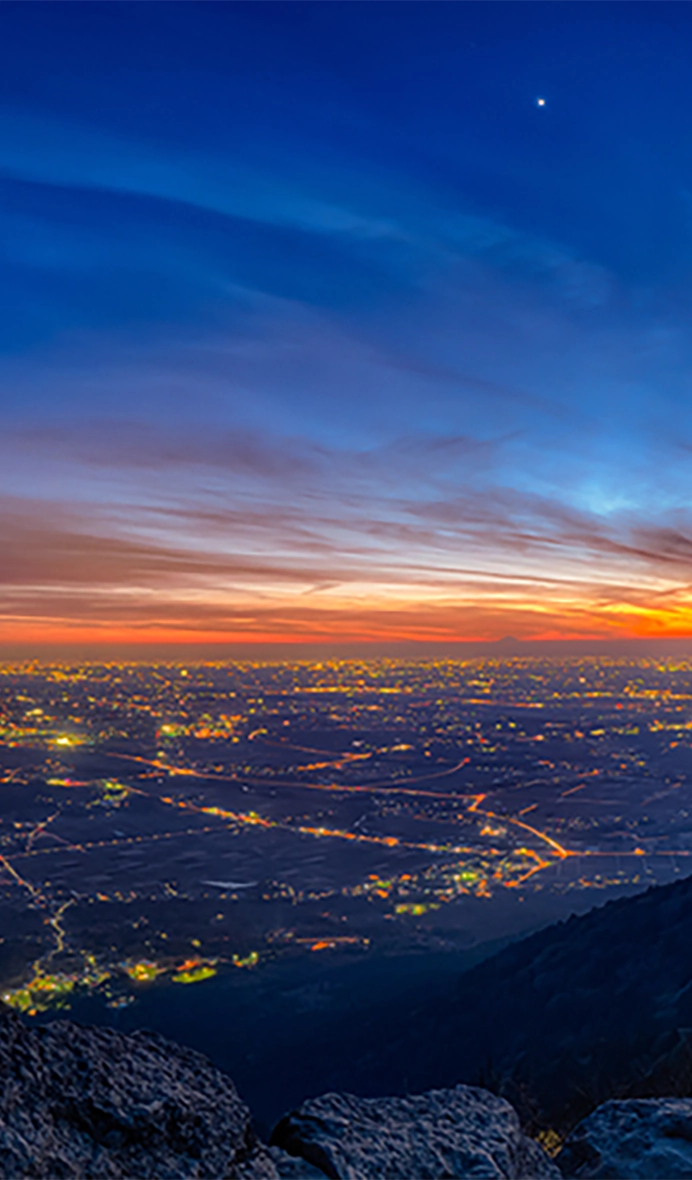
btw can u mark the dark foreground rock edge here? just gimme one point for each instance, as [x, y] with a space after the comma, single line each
[92, 1102]
[637, 1137]
[78, 1102]
[462, 1131]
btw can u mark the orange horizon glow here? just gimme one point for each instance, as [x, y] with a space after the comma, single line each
[377, 628]
[77, 578]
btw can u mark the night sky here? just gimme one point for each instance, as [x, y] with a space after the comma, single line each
[317, 326]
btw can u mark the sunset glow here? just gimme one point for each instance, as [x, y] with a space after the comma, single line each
[320, 354]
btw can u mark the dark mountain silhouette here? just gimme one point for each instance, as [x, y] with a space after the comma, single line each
[595, 1007]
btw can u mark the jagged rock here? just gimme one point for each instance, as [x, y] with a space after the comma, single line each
[276, 1165]
[636, 1139]
[288, 1167]
[92, 1102]
[442, 1134]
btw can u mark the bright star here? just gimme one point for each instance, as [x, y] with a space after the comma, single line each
[540, 102]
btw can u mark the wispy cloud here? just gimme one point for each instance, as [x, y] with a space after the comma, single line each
[313, 358]
[457, 566]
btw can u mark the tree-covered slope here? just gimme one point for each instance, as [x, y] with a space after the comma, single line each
[594, 1007]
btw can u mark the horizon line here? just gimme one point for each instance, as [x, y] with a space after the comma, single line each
[294, 652]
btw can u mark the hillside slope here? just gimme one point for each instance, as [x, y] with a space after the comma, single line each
[591, 1008]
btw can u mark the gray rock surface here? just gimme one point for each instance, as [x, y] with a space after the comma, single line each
[640, 1138]
[289, 1167]
[92, 1102]
[442, 1134]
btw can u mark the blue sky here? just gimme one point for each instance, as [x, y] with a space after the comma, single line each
[316, 325]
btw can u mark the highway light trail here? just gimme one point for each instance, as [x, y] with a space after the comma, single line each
[563, 853]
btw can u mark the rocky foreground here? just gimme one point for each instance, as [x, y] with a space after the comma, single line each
[92, 1102]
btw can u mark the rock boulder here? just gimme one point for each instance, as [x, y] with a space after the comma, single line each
[460, 1132]
[636, 1139]
[92, 1102]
